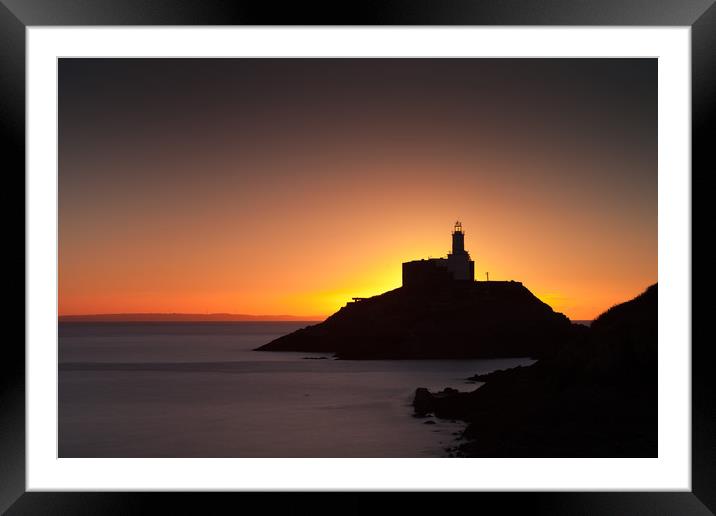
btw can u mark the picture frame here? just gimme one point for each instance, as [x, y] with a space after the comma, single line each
[17, 15]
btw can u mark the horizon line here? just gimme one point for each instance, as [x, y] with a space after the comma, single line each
[193, 316]
[199, 317]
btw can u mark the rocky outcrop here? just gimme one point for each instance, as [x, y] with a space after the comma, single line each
[594, 398]
[447, 404]
[455, 320]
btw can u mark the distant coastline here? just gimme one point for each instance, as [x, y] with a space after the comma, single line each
[181, 317]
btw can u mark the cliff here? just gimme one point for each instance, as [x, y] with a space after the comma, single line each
[594, 398]
[454, 320]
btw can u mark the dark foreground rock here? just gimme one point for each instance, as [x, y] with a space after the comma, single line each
[446, 404]
[459, 320]
[499, 373]
[594, 398]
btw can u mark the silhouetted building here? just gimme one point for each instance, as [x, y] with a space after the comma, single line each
[434, 271]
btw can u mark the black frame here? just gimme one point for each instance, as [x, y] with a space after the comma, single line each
[16, 15]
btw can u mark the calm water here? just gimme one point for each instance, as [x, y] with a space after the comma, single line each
[197, 390]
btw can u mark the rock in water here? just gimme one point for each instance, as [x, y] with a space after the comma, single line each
[456, 320]
[448, 403]
[424, 401]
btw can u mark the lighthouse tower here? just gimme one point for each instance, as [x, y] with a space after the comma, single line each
[458, 261]
[458, 239]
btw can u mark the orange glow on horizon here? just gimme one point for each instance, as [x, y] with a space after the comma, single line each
[320, 249]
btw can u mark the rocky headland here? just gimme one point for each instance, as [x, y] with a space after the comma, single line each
[594, 397]
[454, 320]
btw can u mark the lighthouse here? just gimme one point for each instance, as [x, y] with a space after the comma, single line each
[436, 272]
[458, 239]
[458, 261]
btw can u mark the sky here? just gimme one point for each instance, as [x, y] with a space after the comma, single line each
[288, 186]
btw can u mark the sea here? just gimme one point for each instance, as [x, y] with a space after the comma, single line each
[200, 390]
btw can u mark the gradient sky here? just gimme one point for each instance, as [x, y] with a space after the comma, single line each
[288, 186]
